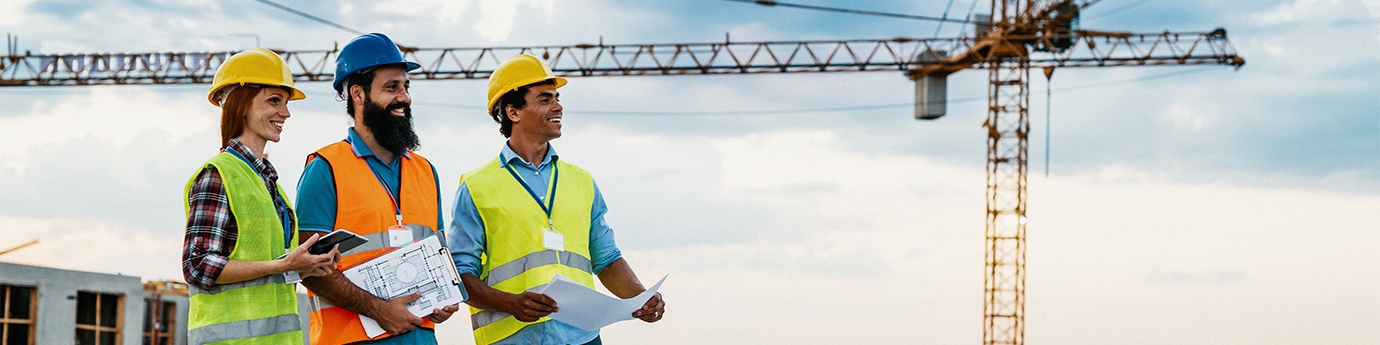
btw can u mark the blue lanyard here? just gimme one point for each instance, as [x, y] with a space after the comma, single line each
[397, 208]
[551, 198]
[282, 214]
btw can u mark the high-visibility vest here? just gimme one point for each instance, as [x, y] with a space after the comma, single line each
[364, 207]
[515, 259]
[256, 311]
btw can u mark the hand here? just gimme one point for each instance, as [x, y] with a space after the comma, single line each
[308, 265]
[394, 317]
[441, 315]
[653, 310]
[530, 306]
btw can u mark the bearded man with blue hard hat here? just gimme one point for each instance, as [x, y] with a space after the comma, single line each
[373, 184]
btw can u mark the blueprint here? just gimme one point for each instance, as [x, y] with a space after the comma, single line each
[588, 309]
[424, 266]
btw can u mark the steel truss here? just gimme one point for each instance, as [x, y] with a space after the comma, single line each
[898, 54]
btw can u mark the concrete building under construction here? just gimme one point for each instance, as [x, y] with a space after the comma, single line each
[44, 305]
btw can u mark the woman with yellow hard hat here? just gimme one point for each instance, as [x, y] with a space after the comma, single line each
[240, 256]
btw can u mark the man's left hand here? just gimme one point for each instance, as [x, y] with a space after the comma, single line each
[652, 311]
[441, 315]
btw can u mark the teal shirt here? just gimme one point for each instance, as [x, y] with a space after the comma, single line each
[316, 198]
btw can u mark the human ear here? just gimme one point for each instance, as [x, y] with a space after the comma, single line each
[512, 112]
[357, 95]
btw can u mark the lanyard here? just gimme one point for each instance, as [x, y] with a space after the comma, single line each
[282, 215]
[396, 207]
[551, 197]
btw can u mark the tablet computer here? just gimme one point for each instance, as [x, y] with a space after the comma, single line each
[346, 239]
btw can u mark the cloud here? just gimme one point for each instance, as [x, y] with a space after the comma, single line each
[1311, 11]
[93, 245]
[89, 178]
[445, 12]
[1159, 276]
[1239, 187]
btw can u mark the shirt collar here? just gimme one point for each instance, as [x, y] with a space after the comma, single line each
[261, 165]
[362, 150]
[508, 155]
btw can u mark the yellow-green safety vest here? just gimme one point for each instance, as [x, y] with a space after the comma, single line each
[515, 259]
[256, 311]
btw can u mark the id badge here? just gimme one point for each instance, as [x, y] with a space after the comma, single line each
[291, 277]
[552, 240]
[399, 236]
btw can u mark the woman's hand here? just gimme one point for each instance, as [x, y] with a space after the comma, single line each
[308, 265]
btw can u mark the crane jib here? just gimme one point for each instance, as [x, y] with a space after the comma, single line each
[910, 55]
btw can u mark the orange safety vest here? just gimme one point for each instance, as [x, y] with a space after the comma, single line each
[364, 207]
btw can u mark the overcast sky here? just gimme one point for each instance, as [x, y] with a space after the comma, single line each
[1184, 205]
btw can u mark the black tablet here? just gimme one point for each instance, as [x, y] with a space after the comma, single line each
[346, 239]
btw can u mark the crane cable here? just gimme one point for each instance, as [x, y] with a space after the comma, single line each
[969, 17]
[1119, 9]
[309, 16]
[844, 10]
[945, 16]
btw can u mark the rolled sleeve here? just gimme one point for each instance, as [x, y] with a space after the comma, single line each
[316, 202]
[211, 230]
[466, 234]
[602, 248]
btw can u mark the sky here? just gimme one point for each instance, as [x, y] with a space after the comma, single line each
[1184, 204]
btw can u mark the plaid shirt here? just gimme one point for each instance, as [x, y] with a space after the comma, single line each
[211, 227]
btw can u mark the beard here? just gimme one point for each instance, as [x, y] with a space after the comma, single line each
[394, 133]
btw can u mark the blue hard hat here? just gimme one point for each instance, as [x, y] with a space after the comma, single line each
[365, 52]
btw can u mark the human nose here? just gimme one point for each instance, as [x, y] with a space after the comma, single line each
[405, 97]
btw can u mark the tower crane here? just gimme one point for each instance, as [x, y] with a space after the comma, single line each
[1017, 35]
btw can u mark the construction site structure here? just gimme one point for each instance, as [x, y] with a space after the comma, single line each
[1017, 35]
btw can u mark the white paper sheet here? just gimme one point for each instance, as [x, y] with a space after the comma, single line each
[423, 266]
[588, 309]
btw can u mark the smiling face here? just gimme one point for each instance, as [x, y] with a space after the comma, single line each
[383, 111]
[388, 89]
[540, 118]
[267, 113]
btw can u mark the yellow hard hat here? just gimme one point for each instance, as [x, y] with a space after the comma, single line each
[520, 70]
[257, 66]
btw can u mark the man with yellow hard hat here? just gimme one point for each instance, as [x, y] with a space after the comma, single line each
[530, 216]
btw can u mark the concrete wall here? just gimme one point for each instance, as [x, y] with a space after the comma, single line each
[180, 330]
[57, 301]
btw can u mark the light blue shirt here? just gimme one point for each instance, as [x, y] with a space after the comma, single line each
[316, 198]
[466, 241]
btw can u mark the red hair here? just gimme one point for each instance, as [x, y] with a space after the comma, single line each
[233, 113]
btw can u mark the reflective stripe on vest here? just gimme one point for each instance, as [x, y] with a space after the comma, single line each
[515, 259]
[291, 325]
[381, 240]
[264, 280]
[233, 313]
[364, 207]
[546, 257]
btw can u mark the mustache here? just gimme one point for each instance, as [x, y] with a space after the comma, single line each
[394, 133]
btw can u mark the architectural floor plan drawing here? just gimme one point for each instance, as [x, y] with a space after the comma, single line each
[423, 266]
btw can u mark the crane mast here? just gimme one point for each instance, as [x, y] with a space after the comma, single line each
[1016, 36]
